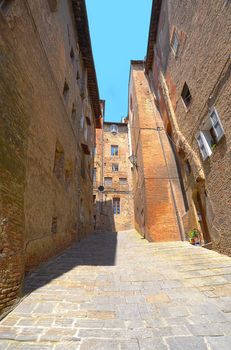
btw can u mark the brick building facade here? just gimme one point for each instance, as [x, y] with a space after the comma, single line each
[49, 110]
[158, 200]
[188, 69]
[112, 169]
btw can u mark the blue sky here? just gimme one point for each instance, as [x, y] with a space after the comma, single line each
[119, 33]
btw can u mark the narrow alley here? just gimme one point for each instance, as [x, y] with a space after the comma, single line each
[115, 175]
[117, 291]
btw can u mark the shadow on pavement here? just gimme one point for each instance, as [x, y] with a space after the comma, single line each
[98, 249]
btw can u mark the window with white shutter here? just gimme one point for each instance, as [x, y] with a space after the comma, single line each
[216, 124]
[204, 148]
[210, 134]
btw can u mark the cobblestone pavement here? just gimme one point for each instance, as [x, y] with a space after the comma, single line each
[113, 292]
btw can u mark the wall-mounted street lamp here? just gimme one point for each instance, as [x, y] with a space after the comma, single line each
[101, 188]
[133, 159]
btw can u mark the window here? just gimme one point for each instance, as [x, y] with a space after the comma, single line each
[186, 96]
[175, 43]
[5, 6]
[83, 165]
[131, 104]
[108, 181]
[83, 83]
[77, 75]
[210, 134]
[116, 206]
[68, 34]
[85, 131]
[68, 174]
[65, 90]
[216, 125]
[53, 5]
[115, 167]
[72, 54]
[82, 121]
[88, 121]
[85, 149]
[114, 129]
[54, 225]
[59, 161]
[114, 151]
[68, 178]
[123, 181]
[204, 149]
[94, 174]
[188, 168]
[73, 113]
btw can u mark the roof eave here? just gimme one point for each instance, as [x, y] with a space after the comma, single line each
[153, 30]
[81, 19]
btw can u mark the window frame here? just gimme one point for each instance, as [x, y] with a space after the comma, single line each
[184, 99]
[114, 129]
[114, 154]
[94, 174]
[122, 182]
[213, 111]
[208, 135]
[82, 121]
[115, 206]
[107, 183]
[5, 6]
[204, 148]
[53, 4]
[175, 35]
[59, 162]
[113, 166]
[66, 90]
[85, 129]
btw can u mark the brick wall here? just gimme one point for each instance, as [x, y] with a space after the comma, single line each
[157, 191]
[105, 218]
[203, 62]
[47, 137]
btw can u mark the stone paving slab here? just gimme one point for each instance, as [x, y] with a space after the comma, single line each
[117, 291]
